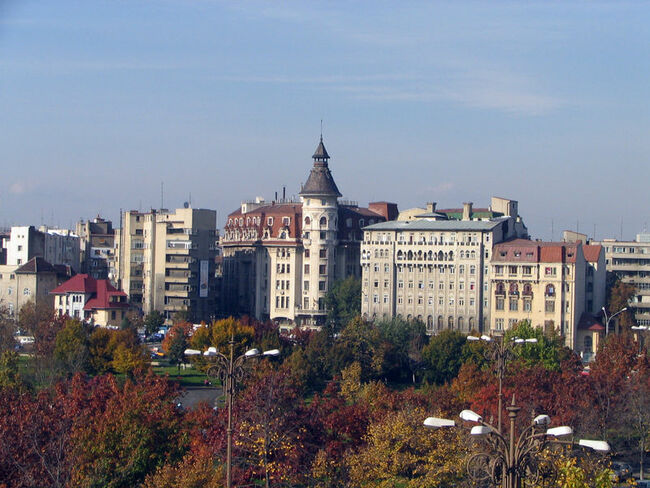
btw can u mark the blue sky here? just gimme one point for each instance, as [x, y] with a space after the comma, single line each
[546, 103]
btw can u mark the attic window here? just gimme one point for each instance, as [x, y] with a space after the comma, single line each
[286, 220]
[570, 254]
[529, 254]
[517, 254]
[269, 221]
[503, 253]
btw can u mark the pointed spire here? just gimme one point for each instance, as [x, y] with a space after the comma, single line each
[321, 153]
[320, 181]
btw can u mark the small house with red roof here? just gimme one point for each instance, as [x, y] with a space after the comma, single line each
[92, 300]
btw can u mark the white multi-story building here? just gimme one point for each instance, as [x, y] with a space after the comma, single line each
[282, 257]
[56, 246]
[434, 267]
[630, 261]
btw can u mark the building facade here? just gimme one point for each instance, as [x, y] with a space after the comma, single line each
[280, 258]
[32, 281]
[630, 261]
[56, 246]
[554, 285]
[433, 265]
[94, 301]
[166, 261]
[97, 243]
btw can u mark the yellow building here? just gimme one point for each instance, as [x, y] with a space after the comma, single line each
[554, 285]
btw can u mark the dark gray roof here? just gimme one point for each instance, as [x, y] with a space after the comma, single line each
[442, 225]
[36, 265]
[320, 181]
[321, 152]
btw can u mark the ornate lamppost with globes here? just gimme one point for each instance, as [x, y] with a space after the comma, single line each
[230, 371]
[499, 353]
[508, 461]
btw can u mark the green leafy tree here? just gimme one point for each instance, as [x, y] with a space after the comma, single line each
[71, 351]
[9, 376]
[153, 321]
[360, 341]
[343, 302]
[7, 329]
[175, 343]
[404, 340]
[549, 350]
[443, 356]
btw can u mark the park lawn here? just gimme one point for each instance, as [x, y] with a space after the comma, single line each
[187, 377]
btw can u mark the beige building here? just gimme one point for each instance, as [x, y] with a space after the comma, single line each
[97, 242]
[280, 258]
[166, 261]
[56, 246]
[32, 281]
[630, 261]
[433, 265]
[555, 285]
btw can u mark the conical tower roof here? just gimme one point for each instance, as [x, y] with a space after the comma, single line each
[320, 181]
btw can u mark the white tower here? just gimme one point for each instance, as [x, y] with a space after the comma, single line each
[319, 197]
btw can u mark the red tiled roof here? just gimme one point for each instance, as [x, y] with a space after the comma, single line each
[105, 292]
[81, 283]
[592, 252]
[543, 252]
[101, 290]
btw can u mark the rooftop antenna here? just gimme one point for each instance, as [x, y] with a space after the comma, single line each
[190, 199]
[321, 130]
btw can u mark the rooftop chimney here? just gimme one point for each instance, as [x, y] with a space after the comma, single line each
[431, 206]
[467, 211]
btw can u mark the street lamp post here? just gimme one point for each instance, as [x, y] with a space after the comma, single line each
[500, 353]
[508, 461]
[229, 371]
[607, 319]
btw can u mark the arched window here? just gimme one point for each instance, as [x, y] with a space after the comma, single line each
[323, 222]
[528, 290]
[429, 323]
[461, 323]
[430, 255]
[419, 255]
[514, 289]
[362, 223]
[550, 290]
[473, 254]
[471, 324]
[440, 322]
[441, 256]
[409, 256]
[450, 322]
[376, 253]
[409, 317]
[500, 289]
[400, 255]
[307, 220]
[451, 255]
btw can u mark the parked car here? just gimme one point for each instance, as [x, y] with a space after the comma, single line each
[622, 471]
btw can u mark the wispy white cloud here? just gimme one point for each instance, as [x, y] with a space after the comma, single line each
[19, 188]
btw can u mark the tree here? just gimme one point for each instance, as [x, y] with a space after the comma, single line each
[620, 295]
[7, 330]
[343, 302]
[400, 452]
[360, 341]
[153, 321]
[549, 350]
[443, 356]
[405, 340]
[9, 376]
[175, 343]
[71, 347]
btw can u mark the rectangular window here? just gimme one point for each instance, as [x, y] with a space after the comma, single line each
[385, 283]
[385, 298]
[322, 269]
[375, 298]
[305, 285]
[306, 253]
[549, 306]
[305, 303]
[527, 270]
[441, 301]
[420, 300]
[498, 323]
[410, 284]
[322, 253]
[512, 270]
[386, 268]
[549, 271]
[321, 286]
[375, 284]
[527, 305]
[400, 284]
[306, 269]
[499, 303]
[498, 269]
[514, 304]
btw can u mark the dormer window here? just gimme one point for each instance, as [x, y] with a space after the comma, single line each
[286, 220]
[362, 223]
[269, 221]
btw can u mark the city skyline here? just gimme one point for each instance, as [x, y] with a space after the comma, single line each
[543, 103]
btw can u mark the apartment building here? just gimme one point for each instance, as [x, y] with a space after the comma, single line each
[97, 243]
[56, 246]
[630, 261]
[555, 285]
[166, 261]
[280, 258]
[433, 265]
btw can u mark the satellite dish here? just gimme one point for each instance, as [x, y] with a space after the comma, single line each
[186, 205]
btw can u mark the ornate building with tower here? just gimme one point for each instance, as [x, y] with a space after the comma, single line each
[280, 258]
